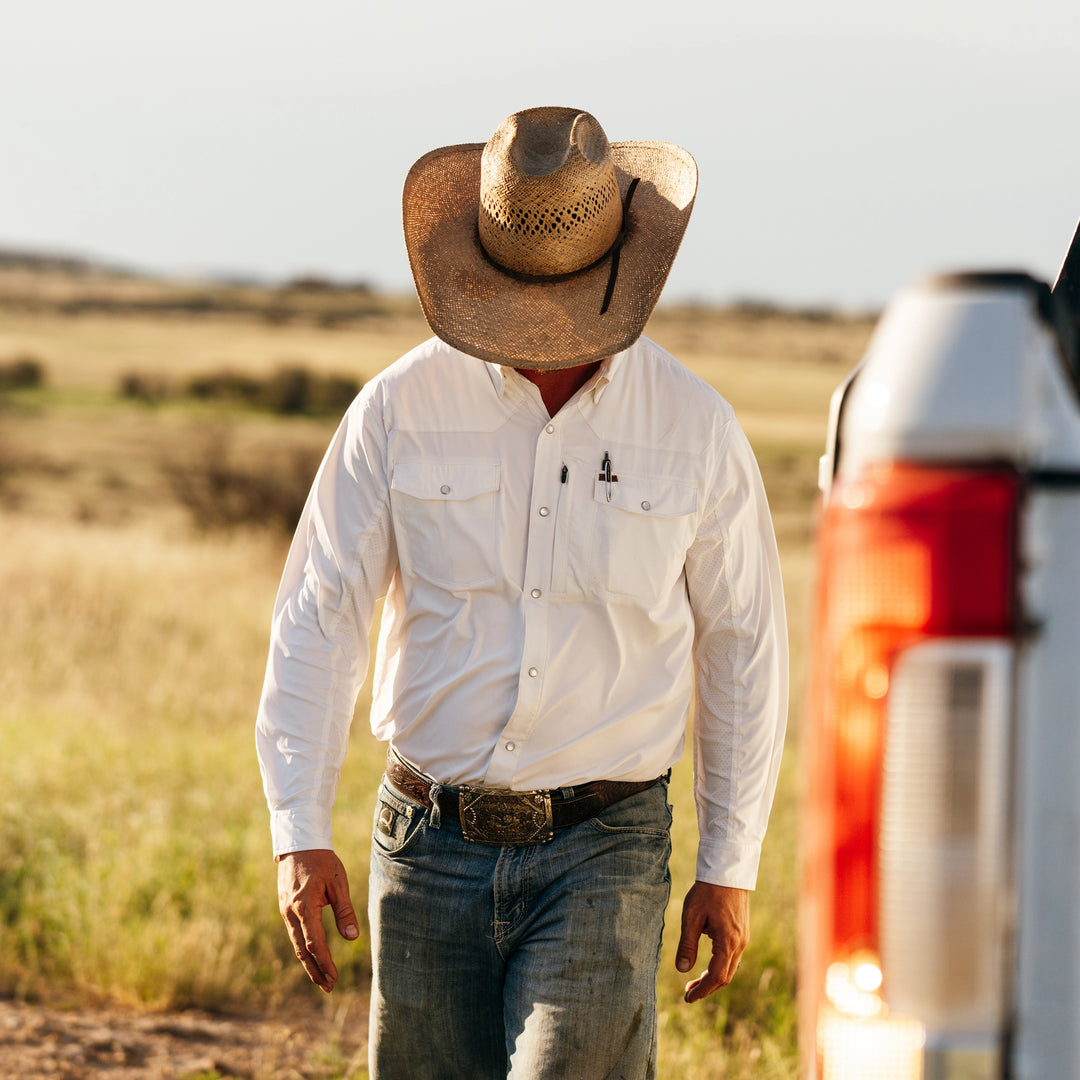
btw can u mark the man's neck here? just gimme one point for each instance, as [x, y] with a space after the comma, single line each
[558, 387]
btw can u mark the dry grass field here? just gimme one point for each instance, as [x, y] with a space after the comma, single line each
[142, 538]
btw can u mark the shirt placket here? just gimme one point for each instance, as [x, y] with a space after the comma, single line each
[547, 479]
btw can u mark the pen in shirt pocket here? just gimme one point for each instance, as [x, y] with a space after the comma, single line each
[565, 474]
[605, 475]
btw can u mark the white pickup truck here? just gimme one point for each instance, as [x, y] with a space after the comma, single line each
[940, 918]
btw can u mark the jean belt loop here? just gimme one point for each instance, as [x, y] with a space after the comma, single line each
[436, 813]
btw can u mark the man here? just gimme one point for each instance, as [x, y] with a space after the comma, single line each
[570, 532]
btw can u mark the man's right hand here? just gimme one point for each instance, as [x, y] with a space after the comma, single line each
[307, 882]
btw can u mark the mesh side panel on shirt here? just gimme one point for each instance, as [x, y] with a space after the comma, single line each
[378, 543]
[723, 653]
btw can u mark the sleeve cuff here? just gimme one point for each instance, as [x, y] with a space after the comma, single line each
[300, 829]
[731, 864]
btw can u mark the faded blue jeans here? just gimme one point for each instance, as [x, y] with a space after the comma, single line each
[534, 963]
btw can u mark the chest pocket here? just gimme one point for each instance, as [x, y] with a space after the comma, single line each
[445, 521]
[638, 543]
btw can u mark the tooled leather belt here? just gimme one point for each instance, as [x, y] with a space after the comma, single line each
[497, 816]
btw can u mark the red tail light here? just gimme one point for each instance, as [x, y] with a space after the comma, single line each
[906, 553]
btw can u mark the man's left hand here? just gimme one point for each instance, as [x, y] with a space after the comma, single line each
[722, 914]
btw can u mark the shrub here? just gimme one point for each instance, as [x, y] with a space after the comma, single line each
[332, 394]
[226, 386]
[287, 392]
[292, 390]
[22, 373]
[147, 387]
[317, 283]
[220, 489]
[295, 391]
[314, 283]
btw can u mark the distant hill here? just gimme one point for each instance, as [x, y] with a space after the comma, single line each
[59, 262]
[38, 262]
[65, 284]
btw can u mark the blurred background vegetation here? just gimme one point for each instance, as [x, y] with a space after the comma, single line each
[157, 439]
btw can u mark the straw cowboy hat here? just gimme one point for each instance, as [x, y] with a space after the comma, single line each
[548, 246]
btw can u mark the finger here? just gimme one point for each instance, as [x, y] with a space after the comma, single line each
[315, 942]
[341, 903]
[708, 982]
[698, 988]
[304, 954]
[309, 944]
[734, 960]
[721, 970]
[692, 927]
[307, 961]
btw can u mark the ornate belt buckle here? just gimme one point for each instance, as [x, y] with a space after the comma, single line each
[494, 816]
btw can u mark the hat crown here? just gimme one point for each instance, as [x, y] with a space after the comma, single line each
[549, 196]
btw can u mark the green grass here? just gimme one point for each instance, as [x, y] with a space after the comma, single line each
[134, 850]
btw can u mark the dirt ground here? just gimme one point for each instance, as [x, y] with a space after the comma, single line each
[41, 1043]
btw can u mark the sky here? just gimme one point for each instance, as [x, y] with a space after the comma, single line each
[845, 149]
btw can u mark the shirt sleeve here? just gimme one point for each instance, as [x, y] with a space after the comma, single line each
[740, 665]
[341, 561]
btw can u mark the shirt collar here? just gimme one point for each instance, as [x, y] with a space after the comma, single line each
[496, 373]
[608, 371]
[600, 382]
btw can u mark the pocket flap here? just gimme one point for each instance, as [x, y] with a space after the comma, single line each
[650, 497]
[447, 481]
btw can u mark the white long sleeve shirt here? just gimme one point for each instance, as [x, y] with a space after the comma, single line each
[543, 626]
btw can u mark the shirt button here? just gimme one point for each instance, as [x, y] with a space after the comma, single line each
[550, 429]
[535, 594]
[511, 747]
[646, 505]
[533, 672]
[445, 489]
[544, 511]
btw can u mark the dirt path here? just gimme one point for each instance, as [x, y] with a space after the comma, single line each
[40, 1043]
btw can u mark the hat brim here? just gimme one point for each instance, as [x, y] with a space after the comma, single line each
[538, 323]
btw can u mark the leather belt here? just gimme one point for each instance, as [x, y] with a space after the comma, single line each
[498, 816]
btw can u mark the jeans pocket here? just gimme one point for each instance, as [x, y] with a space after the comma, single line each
[647, 813]
[398, 822]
